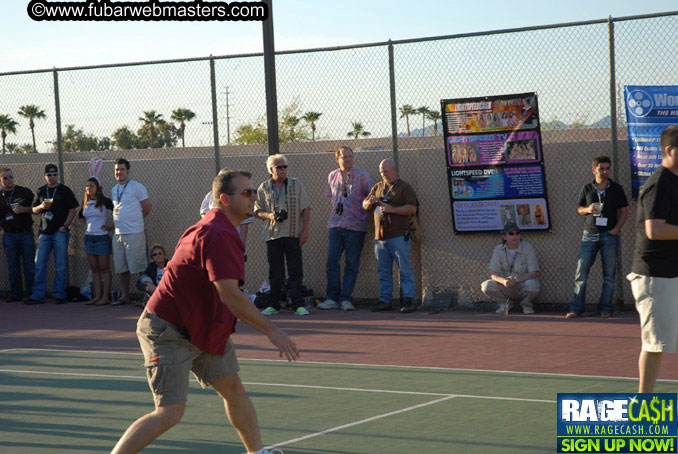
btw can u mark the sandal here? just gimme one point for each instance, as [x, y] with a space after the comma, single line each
[102, 303]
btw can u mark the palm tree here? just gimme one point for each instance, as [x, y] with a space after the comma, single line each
[311, 118]
[12, 147]
[358, 130]
[182, 116]
[423, 111]
[31, 111]
[152, 119]
[406, 111]
[434, 116]
[7, 124]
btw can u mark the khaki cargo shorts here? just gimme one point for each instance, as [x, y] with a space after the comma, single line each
[129, 252]
[169, 356]
[657, 305]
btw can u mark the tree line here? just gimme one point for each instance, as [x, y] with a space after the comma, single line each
[156, 132]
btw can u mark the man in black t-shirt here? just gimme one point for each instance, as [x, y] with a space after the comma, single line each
[603, 203]
[17, 239]
[56, 205]
[654, 275]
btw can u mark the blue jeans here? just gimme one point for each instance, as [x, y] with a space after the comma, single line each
[341, 240]
[59, 242]
[591, 243]
[386, 252]
[20, 247]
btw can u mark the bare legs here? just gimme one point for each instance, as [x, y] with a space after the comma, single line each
[648, 368]
[239, 410]
[147, 428]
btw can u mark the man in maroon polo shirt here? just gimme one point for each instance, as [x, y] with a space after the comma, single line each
[187, 323]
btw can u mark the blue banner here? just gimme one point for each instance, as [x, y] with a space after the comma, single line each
[649, 110]
[616, 422]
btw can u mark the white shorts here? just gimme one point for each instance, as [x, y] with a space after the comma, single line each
[657, 305]
[129, 252]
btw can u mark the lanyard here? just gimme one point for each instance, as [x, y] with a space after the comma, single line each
[53, 194]
[8, 201]
[512, 261]
[277, 193]
[388, 193]
[120, 194]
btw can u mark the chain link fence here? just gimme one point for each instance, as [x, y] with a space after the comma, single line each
[180, 121]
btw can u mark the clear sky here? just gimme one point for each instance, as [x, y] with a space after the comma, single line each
[298, 24]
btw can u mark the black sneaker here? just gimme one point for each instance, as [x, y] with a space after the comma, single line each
[410, 306]
[60, 300]
[31, 301]
[382, 307]
[12, 299]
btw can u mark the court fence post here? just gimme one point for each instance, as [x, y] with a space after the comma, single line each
[215, 122]
[619, 278]
[394, 120]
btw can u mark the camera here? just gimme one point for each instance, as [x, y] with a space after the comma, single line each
[384, 200]
[340, 208]
[280, 216]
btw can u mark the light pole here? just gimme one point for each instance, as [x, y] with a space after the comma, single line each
[228, 116]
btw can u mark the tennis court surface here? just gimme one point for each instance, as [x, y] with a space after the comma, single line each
[71, 380]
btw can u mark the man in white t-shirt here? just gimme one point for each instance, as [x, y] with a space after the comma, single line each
[130, 206]
[207, 204]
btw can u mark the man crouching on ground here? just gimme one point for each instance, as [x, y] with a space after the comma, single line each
[187, 323]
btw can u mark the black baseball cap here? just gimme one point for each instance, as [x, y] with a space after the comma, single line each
[49, 168]
[509, 227]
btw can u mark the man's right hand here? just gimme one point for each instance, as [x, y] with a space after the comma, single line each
[286, 346]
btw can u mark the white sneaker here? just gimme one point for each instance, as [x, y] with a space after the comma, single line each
[528, 310]
[271, 451]
[302, 311]
[346, 305]
[328, 304]
[270, 311]
[502, 308]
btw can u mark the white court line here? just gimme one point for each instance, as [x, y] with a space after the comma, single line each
[451, 369]
[362, 421]
[287, 385]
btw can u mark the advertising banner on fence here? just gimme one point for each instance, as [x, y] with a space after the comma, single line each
[495, 163]
[649, 110]
[615, 422]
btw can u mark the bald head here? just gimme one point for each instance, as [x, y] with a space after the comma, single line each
[388, 171]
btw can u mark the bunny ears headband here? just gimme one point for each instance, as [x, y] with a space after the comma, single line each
[95, 165]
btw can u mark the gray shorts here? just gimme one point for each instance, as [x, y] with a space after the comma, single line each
[169, 356]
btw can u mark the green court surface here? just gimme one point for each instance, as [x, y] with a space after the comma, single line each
[80, 402]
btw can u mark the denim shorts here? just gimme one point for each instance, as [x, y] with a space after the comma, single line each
[97, 245]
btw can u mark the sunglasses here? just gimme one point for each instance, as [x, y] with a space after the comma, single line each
[513, 233]
[8, 177]
[246, 192]
[155, 254]
[52, 174]
[281, 167]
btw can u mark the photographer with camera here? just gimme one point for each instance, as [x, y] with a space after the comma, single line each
[393, 202]
[284, 203]
[347, 187]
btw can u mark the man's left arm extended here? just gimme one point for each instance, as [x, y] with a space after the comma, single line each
[145, 207]
[305, 219]
[405, 210]
[69, 220]
[240, 306]
[623, 214]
